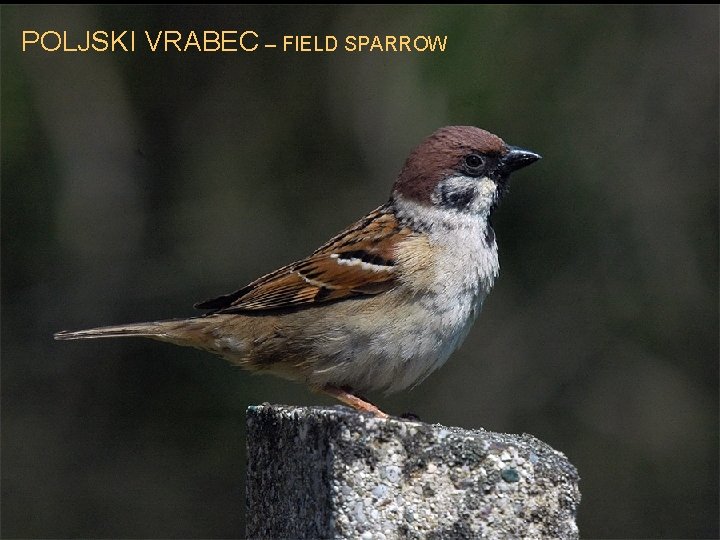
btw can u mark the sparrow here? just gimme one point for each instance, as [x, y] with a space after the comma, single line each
[382, 304]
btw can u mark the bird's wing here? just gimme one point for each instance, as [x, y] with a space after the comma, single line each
[358, 261]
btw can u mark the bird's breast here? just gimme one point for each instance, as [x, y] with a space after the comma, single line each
[455, 262]
[445, 277]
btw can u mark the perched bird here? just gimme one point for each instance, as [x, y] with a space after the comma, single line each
[385, 302]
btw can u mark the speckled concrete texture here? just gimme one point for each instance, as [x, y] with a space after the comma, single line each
[316, 472]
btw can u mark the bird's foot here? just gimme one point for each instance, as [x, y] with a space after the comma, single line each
[355, 402]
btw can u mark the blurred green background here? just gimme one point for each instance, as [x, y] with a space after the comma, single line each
[136, 184]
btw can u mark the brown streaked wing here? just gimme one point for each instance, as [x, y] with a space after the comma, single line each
[358, 261]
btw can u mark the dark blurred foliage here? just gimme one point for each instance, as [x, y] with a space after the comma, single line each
[136, 184]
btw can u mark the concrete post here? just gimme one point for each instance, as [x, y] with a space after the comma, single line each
[329, 472]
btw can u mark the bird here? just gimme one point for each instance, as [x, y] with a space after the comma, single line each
[382, 304]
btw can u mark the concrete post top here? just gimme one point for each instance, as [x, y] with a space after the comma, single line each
[352, 475]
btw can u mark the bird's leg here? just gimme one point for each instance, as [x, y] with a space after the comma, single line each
[349, 399]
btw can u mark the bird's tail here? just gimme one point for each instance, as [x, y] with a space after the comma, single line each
[180, 331]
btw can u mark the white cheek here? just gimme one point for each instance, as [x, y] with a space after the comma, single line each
[484, 192]
[487, 188]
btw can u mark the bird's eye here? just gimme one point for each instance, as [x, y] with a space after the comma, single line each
[474, 164]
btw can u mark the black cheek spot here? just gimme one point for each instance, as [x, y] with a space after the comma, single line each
[453, 197]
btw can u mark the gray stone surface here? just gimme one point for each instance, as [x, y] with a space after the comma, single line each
[316, 472]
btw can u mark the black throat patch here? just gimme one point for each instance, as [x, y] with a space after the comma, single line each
[489, 235]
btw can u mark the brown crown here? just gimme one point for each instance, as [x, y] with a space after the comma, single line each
[439, 156]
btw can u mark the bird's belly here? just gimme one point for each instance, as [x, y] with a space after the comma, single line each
[367, 352]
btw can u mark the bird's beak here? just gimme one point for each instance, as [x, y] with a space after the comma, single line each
[517, 158]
